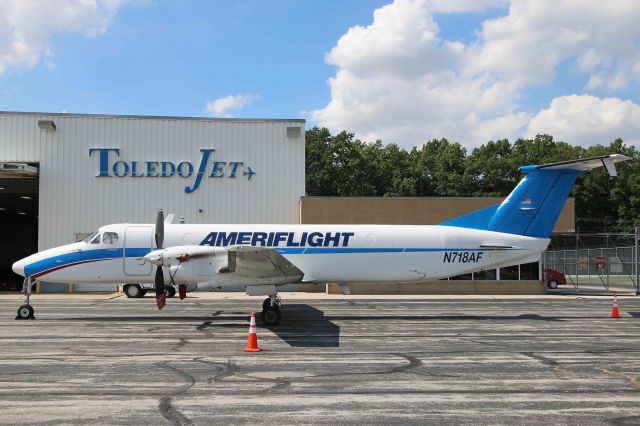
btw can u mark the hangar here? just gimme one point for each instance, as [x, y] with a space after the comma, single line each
[64, 175]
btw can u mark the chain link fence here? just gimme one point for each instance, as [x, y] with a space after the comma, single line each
[595, 262]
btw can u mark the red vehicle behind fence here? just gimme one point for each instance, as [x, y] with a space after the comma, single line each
[555, 278]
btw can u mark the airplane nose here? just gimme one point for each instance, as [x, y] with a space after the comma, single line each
[18, 267]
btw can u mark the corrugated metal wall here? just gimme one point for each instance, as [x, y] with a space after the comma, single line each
[73, 200]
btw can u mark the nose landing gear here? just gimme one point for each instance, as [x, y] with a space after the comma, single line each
[25, 311]
[271, 314]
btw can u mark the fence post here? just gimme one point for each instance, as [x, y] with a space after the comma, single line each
[636, 260]
[577, 238]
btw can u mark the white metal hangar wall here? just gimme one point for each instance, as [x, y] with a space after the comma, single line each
[101, 169]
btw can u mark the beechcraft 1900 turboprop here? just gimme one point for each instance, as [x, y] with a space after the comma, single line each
[263, 257]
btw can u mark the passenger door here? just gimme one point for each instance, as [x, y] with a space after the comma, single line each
[138, 241]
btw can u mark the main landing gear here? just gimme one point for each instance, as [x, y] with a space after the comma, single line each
[25, 311]
[271, 314]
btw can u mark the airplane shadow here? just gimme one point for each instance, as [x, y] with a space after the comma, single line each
[305, 326]
[301, 326]
[151, 318]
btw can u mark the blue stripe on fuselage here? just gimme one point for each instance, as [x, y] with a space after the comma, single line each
[82, 256]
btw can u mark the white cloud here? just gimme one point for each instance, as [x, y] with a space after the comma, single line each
[26, 27]
[535, 37]
[402, 41]
[587, 120]
[399, 80]
[222, 106]
[453, 6]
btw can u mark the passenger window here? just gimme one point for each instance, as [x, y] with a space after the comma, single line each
[96, 240]
[109, 238]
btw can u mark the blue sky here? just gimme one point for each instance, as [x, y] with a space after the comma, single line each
[163, 58]
[462, 69]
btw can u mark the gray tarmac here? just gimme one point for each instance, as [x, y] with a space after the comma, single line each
[112, 360]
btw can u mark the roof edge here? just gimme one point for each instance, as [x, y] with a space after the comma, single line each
[152, 117]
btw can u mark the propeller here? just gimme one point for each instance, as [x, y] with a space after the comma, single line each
[161, 296]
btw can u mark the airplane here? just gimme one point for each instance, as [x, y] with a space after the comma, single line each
[249, 172]
[263, 257]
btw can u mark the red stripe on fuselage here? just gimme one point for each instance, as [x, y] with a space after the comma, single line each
[48, 271]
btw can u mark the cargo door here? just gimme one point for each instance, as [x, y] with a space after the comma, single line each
[138, 241]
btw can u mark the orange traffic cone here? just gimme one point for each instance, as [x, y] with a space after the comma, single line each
[252, 340]
[615, 312]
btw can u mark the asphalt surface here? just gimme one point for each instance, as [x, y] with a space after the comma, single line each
[109, 360]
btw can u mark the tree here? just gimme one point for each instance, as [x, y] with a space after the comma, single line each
[490, 169]
[342, 165]
[335, 165]
[439, 168]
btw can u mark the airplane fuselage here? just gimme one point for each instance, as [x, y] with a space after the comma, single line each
[325, 253]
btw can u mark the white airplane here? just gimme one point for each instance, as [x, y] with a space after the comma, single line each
[263, 257]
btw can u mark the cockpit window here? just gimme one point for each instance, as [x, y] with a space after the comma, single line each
[109, 238]
[90, 237]
[96, 240]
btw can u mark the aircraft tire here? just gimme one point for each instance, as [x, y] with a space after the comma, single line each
[25, 312]
[553, 284]
[171, 291]
[271, 316]
[133, 290]
[267, 304]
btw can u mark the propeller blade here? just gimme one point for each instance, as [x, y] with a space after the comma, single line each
[161, 296]
[160, 229]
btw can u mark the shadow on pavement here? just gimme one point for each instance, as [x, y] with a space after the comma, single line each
[436, 317]
[305, 326]
[152, 318]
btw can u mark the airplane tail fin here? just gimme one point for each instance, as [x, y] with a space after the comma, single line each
[534, 206]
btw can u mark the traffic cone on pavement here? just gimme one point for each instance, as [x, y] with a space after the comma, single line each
[252, 340]
[615, 312]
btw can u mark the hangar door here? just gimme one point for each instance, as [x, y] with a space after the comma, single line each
[19, 189]
[138, 241]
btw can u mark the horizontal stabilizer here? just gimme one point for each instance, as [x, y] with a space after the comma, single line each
[586, 164]
[496, 247]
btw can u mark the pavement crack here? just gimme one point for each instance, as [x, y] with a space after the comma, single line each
[204, 325]
[165, 405]
[542, 359]
[181, 342]
[230, 370]
[629, 377]
[106, 299]
[227, 369]
[623, 421]
[413, 363]
[482, 343]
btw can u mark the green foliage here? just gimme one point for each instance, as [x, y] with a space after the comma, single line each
[341, 165]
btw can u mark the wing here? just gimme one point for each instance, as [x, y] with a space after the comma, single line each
[262, 263]
[246, 264]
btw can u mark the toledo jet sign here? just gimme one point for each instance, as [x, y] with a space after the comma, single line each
[162, 169]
